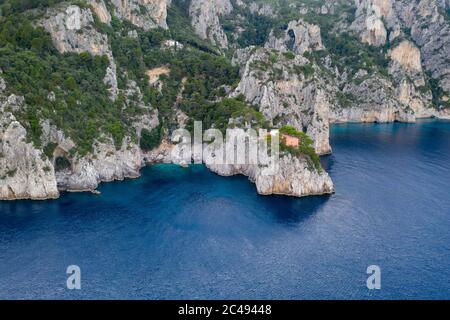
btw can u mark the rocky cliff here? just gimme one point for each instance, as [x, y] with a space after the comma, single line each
[299, 38]
[279, 173]
[286, 91]
[371, 16]
[301, 63]
[205, 19]
[106, 163]
[426, 22]
[29, 173]
[291, 85]
[282, 174]
[25, 171]
[71, 28]
[146, 14]
[293, 178]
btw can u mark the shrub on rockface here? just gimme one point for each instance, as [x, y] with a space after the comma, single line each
[150, 139]
[217, 115]
[305, 146]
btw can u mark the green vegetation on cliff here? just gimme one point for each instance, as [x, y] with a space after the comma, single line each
[217, 115]
[305, 146]
[256, 27]
[34, 69]
[68, 89]
[9, 7]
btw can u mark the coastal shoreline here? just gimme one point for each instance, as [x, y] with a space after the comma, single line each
[163, 151]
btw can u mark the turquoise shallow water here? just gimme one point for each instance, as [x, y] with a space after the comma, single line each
[187, 233]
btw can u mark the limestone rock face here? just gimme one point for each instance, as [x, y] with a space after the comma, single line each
[406, 70]
[111, 79]
[68, 28]
[51, 134]
[162, 154]
[425, 22]
[149, 118]
[370, 15]
[289, 97]
[146, 14]
[299, 37]
[292, 176]
[2, 85]
[105, 164]
[263, 9]
[430, 30]
[72, 31]
[101, 11]
[25, 172]
[205, 19]
[407, 56]
[373, 99]
[286, 94]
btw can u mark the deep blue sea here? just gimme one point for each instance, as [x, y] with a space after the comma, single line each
[188, 234]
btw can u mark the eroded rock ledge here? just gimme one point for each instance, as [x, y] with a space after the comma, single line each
[294, 178]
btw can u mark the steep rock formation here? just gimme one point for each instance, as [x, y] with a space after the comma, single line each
[407, 56]
[162, 154]
[25, 171]
[99, 8]
[430, 30]
[284, 175]
[401, 96]
[372, 100]
[105, 164]
[264, 9]
[293, 179]
[205, 19]
[371, 16]
[72, 31]
[293, 176]
[148, 119]
[426, 22]
[286, 89]
[146, 14]
[406, 69]
[299, 37]
[290, 89]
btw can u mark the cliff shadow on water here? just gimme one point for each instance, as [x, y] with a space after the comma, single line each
[197, 185]
[194, 233]
[292, 211]
[171, 188]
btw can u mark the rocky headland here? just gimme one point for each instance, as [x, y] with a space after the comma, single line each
[343, 61]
